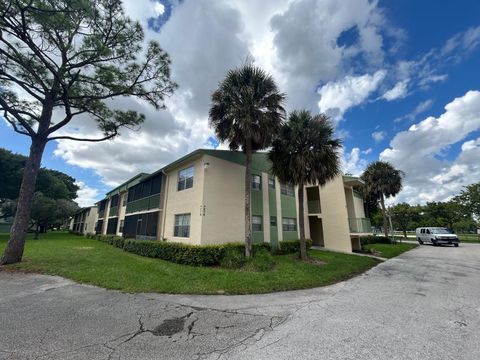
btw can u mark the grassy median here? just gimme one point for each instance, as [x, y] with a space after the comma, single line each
[93, 262]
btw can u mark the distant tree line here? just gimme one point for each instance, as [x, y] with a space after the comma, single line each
[460, 214]
[54, 193]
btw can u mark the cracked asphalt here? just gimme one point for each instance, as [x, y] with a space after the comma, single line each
[424, 304]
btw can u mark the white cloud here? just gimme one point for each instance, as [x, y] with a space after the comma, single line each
[419, 109]
[420, 151]
[378, 136]
[86, 196]
[352, 163]
[294, 40]
[337, 97]
[399, 91]
[367, 151]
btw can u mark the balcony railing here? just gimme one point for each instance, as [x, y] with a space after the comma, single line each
[360, 225]
[151, 202]
[314, 207]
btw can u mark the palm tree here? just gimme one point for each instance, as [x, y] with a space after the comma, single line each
[305, 152]
[247, 112]
[382, 181]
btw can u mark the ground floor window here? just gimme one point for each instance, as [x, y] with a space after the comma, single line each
[256, 223]
[289, 224]
[182, 225]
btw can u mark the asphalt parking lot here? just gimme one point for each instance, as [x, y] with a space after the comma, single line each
[422, 305]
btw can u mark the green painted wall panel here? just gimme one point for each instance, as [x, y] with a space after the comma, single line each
[288, 206]
[290, 235]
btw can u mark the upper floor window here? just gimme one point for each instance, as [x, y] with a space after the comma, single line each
[185, 178]
[182, 225]
[256, 182]
[271, 183]
[256, 223]
[289, 224]
[287, 189]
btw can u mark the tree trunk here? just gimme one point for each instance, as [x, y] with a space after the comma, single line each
[248, 190]
[405, 233]
[301, 223]
[384, 213]
[14, 250]
[36, 232]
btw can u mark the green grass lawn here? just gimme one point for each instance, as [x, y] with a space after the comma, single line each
[93, 262]
[389, 250]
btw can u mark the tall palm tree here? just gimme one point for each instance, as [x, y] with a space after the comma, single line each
[305, 152]
[382, 181]
[247, 112]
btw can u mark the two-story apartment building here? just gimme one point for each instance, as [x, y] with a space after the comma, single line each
[199, 199]
[84, 221]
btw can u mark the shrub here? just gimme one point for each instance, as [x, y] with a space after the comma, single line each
[207, 255]
[373, 239]
[262, 261]
[233, 258]
[177, 252]
[291, 246]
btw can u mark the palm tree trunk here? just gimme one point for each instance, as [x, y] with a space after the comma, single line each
[15, 246]
[384, 213]
[301, 223]
[248, 190]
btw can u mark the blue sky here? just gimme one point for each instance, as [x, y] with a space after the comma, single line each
[379, 69]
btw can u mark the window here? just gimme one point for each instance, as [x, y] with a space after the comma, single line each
[256, 223]
[256, 182]
[287, 189]
[422, 231]
[271, 183]
[121, 226]
[114, 201]
[289, 224]
[185, 179]
[273, 221]
[182, 225]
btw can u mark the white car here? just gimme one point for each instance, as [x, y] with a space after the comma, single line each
[436, 236]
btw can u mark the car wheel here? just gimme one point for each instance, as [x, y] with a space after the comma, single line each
[434, 243]
[420, 241]
[456, 245]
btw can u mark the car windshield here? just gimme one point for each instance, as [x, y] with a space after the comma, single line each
[440, 231]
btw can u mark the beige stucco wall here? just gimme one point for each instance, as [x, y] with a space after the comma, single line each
[334, 216]
[349, 201]
[184, 202]
[224, 199]
[121, 211]
[90, 220]
[359, 207]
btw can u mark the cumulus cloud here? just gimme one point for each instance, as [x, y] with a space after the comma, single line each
[337, 97]
[204, 39]
[352, 162]
[420, 150]
[86, 196]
